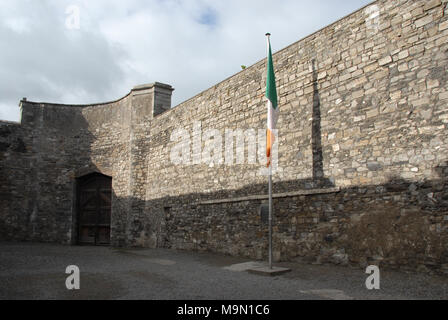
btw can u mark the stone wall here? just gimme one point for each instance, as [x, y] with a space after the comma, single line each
[362, 153]
[54, 144]
[13, 168]
[363, 109]
[62, 145]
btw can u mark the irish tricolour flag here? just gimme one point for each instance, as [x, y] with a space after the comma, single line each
[271, 94]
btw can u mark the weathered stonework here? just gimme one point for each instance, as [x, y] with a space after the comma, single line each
[363, 153]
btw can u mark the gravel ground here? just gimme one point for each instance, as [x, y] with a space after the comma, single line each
[37, 271]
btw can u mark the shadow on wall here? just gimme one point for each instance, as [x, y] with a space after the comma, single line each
[61, 145]
[409, 229]
[56, 147]
[13, 168]
[316, 134]
[400, 224]
[99, 159]
[319, 180]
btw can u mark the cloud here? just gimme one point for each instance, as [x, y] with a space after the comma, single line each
[191, 45]
[45, 61]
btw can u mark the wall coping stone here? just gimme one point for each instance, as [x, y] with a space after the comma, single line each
[275, 196]
[151, 85]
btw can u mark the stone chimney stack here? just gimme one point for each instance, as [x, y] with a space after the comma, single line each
[152, 99]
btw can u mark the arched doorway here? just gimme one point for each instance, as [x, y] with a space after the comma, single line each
[94, 193]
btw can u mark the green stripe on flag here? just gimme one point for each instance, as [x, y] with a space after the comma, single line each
[271, 90]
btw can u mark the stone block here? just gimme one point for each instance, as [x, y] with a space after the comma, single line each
[432, 4]
[423, 21]
[385, 60]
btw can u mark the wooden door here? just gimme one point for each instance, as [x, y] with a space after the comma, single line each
[94, 209]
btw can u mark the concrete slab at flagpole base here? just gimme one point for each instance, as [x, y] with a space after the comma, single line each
[266, 271]
[256, 267]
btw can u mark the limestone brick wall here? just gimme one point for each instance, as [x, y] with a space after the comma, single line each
[363, 118]
[362, 153]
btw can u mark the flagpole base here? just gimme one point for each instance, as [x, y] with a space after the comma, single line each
[269, 272]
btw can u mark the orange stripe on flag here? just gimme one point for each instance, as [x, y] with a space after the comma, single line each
[270, 138]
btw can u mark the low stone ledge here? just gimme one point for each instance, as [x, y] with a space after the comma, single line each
[9, 123]
[275, 196]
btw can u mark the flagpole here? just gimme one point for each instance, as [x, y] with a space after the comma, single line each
[270, 188]
[270, 216]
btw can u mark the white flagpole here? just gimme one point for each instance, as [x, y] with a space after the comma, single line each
[270, 183]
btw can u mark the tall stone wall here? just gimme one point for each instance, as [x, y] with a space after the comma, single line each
[63, 143]
[43, 156]
[362, 153]
[13, 170]
[363, 119]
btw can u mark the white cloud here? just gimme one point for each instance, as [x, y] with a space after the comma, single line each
[191, 45]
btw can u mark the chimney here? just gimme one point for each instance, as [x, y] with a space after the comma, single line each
[152, 99]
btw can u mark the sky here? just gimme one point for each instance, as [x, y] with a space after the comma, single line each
[84, 51]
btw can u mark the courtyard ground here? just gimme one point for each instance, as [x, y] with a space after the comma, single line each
[37, 271]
